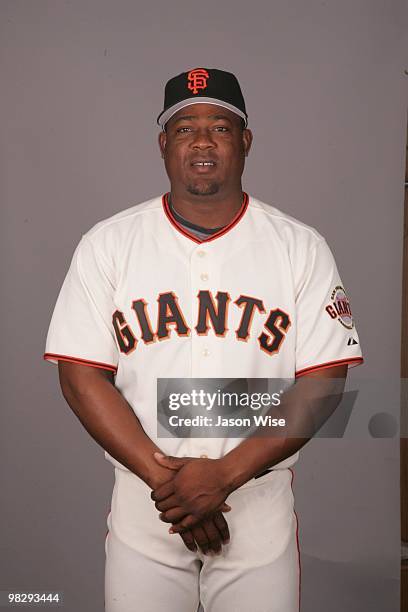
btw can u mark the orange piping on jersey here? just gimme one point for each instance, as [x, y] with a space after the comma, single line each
[94, 364]
[223, 231]
[297, 537]
[107, 531]
[330, 364]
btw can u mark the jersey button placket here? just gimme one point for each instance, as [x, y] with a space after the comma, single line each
[204, 348]
[199, 347]
[204, 277]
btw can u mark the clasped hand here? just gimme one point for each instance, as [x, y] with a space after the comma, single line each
[197, 491]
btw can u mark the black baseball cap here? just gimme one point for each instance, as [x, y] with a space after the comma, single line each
[205, 86]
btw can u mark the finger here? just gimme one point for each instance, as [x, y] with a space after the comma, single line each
[188, 522]
[170, 462]
[201, 538]
[188, 540]
[222, 527]
[225, 508]
[167, 504]
[165, 490]
[174, 515]
[213, 535]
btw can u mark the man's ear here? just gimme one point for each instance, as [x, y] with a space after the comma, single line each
[247, 138]
[162, 143]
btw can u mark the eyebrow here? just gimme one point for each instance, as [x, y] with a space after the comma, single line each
[192, 117]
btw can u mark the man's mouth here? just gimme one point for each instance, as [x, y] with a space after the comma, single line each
[207, 164]
[203, 162]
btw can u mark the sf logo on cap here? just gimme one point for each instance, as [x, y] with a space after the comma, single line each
[197, 79]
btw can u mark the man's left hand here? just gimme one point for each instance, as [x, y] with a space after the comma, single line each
[197, 490]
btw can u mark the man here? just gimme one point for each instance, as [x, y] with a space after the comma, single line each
[202, 282]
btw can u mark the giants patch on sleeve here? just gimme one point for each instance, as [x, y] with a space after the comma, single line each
[340, 307]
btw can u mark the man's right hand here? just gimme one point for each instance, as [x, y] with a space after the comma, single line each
[111, 421]
[210, 534]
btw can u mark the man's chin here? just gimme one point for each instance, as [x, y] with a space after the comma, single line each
[202, 189]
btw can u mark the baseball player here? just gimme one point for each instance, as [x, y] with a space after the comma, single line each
[204, 281]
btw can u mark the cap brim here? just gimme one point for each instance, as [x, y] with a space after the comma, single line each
[163, 118]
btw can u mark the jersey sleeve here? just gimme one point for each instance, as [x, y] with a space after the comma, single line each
[326, 335]
[81, 327]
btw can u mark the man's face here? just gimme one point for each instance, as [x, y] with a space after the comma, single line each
[204, 149]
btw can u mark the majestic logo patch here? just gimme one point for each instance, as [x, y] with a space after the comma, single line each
[197, 79]
[340, 307]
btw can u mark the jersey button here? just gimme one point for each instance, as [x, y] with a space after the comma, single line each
[204, 276]
[206, 352]
[201, 253]
[204, 456]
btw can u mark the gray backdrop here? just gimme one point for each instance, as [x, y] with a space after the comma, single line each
[82, 84]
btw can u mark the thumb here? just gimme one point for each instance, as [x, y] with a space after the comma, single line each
[172, 463]
[225, 508]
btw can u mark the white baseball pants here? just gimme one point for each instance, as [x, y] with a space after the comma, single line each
[149, 570]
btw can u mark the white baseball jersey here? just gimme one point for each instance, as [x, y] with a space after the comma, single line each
[144, 298]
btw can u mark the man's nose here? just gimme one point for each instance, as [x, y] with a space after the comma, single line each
[203, 139]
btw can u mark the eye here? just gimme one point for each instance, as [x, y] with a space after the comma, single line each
[182, 129]
[221, 128]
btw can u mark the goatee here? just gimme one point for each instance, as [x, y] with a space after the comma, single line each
[203, 190]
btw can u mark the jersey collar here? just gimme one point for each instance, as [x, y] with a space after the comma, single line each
[187, 234]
